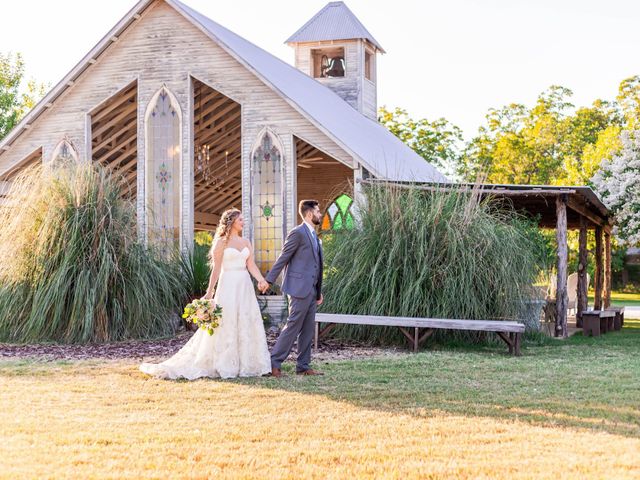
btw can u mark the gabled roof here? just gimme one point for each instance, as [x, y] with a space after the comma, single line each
[371, 144]
[334, 22]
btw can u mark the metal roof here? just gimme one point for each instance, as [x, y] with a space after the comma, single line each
[370, 143]
[334, 22]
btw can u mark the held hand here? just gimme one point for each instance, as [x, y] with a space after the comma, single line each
[263, 286]
[207, 296]
[319, 302]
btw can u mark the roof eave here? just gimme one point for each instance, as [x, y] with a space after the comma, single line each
[69, 79]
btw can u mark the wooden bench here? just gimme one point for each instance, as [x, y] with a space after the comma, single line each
[618, 321]
[510, 332]
[596, 322]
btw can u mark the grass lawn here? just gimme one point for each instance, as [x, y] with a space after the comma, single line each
[619, 299]
[566, 409]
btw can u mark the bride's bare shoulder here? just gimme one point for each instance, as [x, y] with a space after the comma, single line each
[218, 245]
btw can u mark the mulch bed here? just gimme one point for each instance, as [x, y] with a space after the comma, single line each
[156, 350]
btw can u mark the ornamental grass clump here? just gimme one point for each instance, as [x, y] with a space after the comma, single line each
[430, 253]
[71, 266]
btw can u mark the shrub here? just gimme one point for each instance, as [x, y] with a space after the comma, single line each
[430, 253]
[71, 266]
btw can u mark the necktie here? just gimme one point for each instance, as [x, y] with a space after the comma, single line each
[315, 237]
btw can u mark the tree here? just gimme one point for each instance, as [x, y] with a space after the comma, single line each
[549, 143]
[16, 99]
[439, 141]
[618, 184]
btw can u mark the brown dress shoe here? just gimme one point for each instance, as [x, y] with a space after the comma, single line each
[309, 372]
[276, 372]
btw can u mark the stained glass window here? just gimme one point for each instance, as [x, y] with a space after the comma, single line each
[267, 202]
[163, 172]
[338, 215]
[64, 152]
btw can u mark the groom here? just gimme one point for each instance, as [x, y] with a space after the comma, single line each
[301, 259]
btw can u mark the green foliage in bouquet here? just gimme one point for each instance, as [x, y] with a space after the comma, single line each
[71, 266]
[204, 314]
[425, 253]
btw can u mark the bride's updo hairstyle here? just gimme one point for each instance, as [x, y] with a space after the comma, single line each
[224, 227]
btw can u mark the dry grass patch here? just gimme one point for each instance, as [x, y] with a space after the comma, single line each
[107, 420]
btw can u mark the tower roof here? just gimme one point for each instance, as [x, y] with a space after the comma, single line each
[334, 22]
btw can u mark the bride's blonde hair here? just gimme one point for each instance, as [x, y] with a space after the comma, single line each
[224, 228]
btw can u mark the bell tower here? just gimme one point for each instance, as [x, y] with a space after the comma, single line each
[337, 50]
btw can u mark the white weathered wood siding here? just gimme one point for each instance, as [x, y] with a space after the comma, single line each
[354, 88]
[164, 48]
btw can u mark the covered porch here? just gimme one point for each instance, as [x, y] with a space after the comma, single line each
[565, 208]
[561, 208]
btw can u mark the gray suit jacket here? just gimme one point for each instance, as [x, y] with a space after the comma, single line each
[301, 262]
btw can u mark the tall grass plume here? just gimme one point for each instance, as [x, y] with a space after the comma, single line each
[71, 266]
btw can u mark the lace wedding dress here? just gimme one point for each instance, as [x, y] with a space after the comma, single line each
[238, 347]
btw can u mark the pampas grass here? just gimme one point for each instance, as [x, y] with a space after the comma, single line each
[429, 253]
[71, 266]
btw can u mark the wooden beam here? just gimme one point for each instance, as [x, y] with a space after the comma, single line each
[607, 271]
[110, 153]
[211, 201]
[114, 136]
[581, 301]
[120, 116]
[113, 105]
[585, 212]
[561, 291]
[599, 273]
[214, 111]
[206, 218]
[213, 135]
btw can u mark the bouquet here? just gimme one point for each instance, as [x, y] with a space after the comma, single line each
[203, 313]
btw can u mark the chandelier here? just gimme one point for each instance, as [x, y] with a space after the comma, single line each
[203, 150]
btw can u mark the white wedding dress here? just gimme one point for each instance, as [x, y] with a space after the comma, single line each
[238, 347]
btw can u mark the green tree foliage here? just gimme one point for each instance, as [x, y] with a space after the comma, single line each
[439, 141]
[549, 143]
[17, 97]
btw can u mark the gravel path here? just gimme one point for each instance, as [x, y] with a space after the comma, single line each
[156, 350]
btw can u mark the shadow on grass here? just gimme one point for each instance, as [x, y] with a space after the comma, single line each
[591, 383]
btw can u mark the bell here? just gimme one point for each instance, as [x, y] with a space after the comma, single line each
[336, 67]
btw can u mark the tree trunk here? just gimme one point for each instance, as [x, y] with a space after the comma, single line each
[581, 301]
[561, 290]
[599, 273]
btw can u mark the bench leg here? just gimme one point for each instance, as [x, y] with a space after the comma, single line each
[512, 340]
[315, 336]
[412, 341]
[518, 339]
[320, 333]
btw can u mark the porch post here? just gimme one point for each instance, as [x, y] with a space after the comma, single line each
[561, 290]
[607, 270]
[599, 273]
[581, 302]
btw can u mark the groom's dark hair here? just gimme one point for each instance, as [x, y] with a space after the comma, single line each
[306, 205]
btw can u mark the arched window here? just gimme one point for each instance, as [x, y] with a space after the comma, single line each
[163, 121]
[338, 215]
[267, 199]
[64, 151]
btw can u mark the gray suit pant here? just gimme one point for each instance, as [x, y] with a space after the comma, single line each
[300, 325]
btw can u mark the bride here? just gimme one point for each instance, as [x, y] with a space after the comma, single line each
[238, 347]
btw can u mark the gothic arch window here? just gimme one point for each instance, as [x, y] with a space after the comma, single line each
[64, 151]
[338, 215]
[267, 199]
[163, 138]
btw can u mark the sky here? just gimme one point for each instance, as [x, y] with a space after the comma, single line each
[453, 59]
